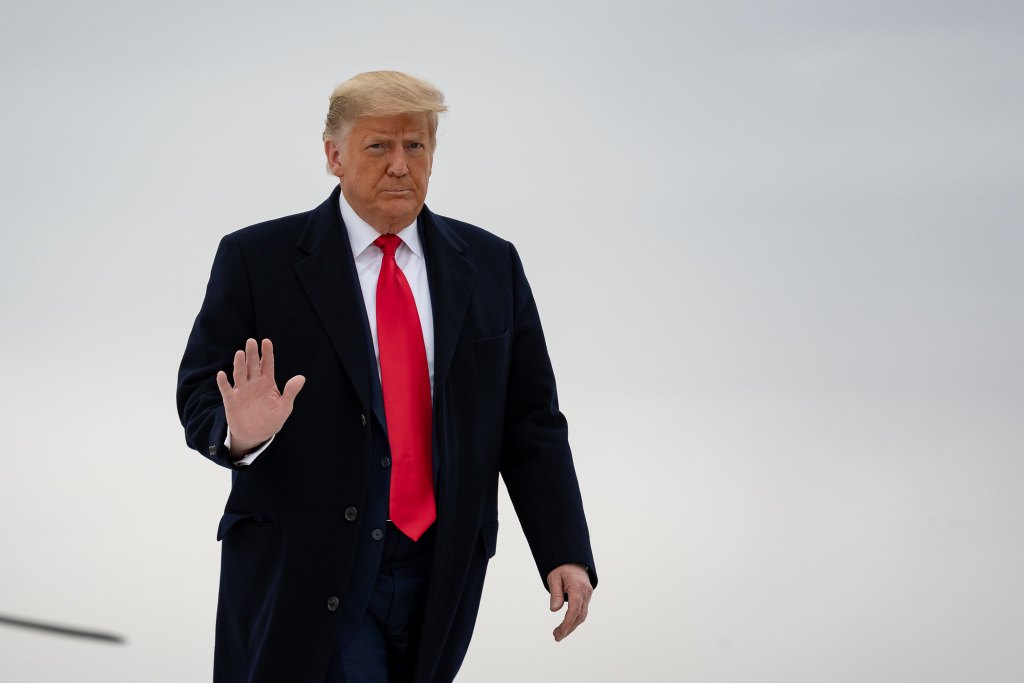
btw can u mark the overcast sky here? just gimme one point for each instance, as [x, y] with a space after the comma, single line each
[777, 251]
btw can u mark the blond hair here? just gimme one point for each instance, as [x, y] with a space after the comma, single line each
[382, 93]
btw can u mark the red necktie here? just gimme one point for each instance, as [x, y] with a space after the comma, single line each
[406, 385]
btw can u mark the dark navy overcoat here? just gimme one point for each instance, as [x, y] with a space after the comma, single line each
[288, 546]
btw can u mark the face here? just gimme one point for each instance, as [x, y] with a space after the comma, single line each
[383, 164]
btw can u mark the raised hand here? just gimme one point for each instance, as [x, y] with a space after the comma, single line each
[573, 581]
[255, 409]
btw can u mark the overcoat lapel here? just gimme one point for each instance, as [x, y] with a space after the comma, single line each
[327, 275]
[450, 275]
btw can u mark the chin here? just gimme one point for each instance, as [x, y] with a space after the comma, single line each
[404, 214]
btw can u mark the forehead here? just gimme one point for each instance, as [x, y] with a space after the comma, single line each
[407, 125]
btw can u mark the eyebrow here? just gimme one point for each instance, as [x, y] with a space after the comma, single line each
[380, 135]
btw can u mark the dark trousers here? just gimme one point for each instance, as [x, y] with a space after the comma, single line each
[383, 647]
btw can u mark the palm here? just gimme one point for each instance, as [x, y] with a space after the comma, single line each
[254, 407]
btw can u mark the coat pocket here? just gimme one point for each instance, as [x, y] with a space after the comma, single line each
[231, 519]
[490, 345]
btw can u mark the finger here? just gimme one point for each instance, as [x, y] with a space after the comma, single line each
[292, 389]
[555, 586]
[267, 361]
[252, 359]
[572, 615]
[238, 369]
[584, 601]
[223, 384]
[585, 607]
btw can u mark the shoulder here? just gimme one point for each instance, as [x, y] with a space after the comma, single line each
[489, 252]
[477, 241]
[285, 240]
[468, 231]
[271, 233]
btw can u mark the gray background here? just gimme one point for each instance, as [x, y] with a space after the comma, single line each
[777, 248]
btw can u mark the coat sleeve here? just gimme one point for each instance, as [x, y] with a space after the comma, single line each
[224, 322]
[536, 461]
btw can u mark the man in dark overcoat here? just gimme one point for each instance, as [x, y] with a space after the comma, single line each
[363, 506]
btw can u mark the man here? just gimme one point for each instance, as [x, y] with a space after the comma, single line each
[363, 510]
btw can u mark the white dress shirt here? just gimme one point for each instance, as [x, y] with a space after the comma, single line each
[410, 259]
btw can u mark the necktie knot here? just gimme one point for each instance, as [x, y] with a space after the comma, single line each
[388, 244]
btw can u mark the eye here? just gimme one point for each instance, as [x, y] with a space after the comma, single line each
[414, 145]
[375, 145]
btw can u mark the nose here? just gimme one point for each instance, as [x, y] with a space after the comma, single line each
[396, 163]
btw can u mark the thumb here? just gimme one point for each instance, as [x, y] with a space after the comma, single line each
[292, 388]
[223, 384]
[557, 591]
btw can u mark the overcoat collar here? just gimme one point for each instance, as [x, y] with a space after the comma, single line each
[329, 278]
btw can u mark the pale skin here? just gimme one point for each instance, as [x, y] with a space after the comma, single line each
[383, 165]
[254, 408]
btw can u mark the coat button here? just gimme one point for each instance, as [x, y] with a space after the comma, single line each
[363, 418]
[377, 534]
[351, 513]
[385, 461]
[332, 603]
[213, 451]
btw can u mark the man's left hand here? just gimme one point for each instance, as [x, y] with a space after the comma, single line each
[570, 582]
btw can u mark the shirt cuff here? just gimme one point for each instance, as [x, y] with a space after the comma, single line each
[249, 458]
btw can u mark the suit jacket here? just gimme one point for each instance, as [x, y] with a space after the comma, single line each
[289, 531]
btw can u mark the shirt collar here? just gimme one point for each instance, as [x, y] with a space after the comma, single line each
[361, 234]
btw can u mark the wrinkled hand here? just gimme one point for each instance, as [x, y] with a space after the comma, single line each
[254, 408]
[569, 580]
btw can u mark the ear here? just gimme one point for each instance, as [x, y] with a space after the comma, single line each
[333, 153]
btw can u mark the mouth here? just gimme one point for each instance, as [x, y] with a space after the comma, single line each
[398, 192]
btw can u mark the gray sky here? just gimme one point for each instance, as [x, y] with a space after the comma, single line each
[777, 249]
